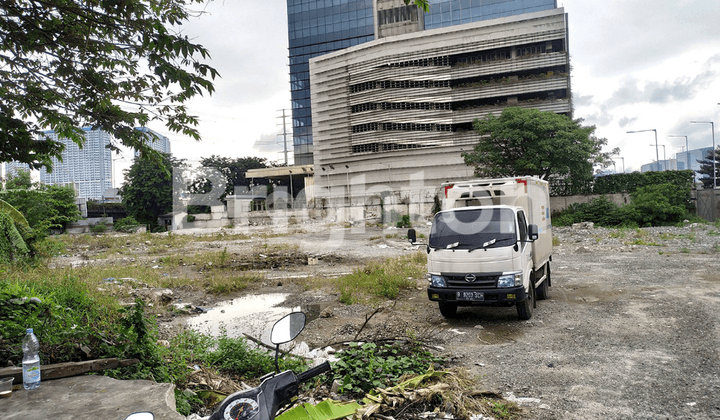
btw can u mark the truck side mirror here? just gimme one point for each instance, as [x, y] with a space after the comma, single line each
[412, 236]
[532, 232]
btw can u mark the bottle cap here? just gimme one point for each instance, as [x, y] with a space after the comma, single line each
[29, 331]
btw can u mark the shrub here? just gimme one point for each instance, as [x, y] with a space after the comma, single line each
[656, 205]
[600, 211]
[127, 224]
[101, 227]
[404, 222]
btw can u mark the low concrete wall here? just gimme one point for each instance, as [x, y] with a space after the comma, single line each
[558, 204]
[85, 225]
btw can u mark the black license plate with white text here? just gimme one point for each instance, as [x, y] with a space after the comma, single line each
[470, 296]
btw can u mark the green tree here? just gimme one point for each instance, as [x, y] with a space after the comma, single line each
[44, 206]
[706, 169]
[232, 170]
[421, 4]
[530, 142]
[110, 65]
[148, 189]
[20, 181]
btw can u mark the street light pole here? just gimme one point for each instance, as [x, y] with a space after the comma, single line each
[657, 150]
[687, 152]
[712, 127]
[663, 146]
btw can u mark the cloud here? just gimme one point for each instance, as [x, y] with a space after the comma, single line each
[625, 121]
[583, 100]
[600, 118]
[622, 36]
[680, 89]
[271, 143]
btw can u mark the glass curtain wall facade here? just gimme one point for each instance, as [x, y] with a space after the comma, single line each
[316, 27]
[445, 13]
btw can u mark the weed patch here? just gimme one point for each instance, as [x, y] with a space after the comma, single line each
[381, 280]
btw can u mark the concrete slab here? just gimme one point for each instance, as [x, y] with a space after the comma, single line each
[91, 398]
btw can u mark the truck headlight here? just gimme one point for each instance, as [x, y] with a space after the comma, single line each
[510, 280]
[437, 280]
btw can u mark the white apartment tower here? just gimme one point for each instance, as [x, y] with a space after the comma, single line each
[87, 169]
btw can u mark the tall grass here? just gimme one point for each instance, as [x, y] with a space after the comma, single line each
[382, 280]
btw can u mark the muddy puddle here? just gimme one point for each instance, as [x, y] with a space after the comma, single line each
[253, 315]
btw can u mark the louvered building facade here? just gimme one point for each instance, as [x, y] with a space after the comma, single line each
[396, 114]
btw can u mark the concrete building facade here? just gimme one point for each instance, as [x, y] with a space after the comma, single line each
[317, 27]
[88, 169]
[393, 116]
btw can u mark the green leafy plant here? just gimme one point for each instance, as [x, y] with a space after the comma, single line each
[364, 366]
[404, 222]
[234, 356]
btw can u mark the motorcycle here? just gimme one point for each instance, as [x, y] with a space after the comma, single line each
[277, 388]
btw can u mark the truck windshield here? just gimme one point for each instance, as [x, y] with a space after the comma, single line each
[473, 228]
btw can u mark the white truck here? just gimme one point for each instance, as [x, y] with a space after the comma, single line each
[491, 244]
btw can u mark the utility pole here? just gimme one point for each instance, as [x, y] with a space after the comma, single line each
[284, 134]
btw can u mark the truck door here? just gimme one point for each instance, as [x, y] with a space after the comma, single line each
[525, 248]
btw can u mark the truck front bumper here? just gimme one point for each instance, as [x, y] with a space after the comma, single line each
[489, 296]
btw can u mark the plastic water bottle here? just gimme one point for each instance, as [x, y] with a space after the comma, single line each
[31, 360]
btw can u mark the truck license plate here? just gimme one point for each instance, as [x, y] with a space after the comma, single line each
[474, 296]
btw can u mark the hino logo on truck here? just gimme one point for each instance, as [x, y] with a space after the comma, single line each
[470, 278]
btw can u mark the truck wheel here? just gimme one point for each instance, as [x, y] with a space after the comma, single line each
[448, 310]
[525, 308]
[542, 291]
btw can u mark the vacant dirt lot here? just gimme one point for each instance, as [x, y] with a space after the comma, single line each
[631, 328]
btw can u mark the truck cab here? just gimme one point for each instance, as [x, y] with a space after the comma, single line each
[485, 249]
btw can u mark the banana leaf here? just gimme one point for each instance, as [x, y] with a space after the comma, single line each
[325, 410]
[14, 214]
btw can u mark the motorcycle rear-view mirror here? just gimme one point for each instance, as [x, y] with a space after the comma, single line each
[141, 416]
[287, 328]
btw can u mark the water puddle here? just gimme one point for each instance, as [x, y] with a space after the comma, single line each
[252, 315]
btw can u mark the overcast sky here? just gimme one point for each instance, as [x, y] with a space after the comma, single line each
[636, 65]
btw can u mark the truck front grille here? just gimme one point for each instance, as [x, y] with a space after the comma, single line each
[480, 282]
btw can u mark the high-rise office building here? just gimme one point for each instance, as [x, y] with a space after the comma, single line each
[317, 27]
[87, 169]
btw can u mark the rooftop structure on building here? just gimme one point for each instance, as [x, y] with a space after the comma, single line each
[317, 27]
[396, 114]
[87, 169]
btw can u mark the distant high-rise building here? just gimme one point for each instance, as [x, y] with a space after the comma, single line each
[157, 141]
[691, 160]
[87, 169]
[12, 168]
[317, 27]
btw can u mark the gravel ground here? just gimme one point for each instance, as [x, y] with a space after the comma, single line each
[629, 331]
